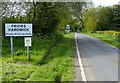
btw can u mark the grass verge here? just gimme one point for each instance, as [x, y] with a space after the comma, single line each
[51, 60]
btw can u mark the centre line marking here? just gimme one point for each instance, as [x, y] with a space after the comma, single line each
[80, 61]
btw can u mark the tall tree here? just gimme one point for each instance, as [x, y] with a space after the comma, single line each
[90, 24]
[116, 13]
[78, 9]
[105, 18]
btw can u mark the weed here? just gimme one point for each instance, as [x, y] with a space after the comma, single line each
[56, 66]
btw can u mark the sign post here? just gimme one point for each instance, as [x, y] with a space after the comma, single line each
[28, 44]
[12, 48]
[28, 53]
[18, 29]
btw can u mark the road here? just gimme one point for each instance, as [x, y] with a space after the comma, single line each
[100, 60]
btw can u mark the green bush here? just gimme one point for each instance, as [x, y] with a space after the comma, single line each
[20, 52]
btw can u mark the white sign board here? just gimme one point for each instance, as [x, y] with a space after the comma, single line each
[27, 41]
[68, 27]
[18, 29]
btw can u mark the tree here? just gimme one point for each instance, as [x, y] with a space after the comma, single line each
[90, 24]
[63, 14]
[46, 17]
[116, 13]
[105, 18]
[78, 9]
[90, 20]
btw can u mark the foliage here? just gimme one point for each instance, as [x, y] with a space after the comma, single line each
[51, 60]
[109, 34]
[115, 10]
[46, 17]
[90, 24]
[78, 9]
[19, 43]
[47, 21]
[105, 18]
[64, 15]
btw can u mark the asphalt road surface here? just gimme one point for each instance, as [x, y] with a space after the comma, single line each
[100, 60]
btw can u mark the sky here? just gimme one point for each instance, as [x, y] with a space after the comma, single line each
[105, 2]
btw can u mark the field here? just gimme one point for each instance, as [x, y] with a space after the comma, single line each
[52, 59]
[111, 37]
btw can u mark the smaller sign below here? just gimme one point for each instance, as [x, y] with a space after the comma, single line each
[27, 41]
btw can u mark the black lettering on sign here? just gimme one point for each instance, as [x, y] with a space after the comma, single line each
[9, 29]
[20, 29]
[12, 29]
[21, 25]
[11, 25]
[14, 25]
[18, 26]
[15, 29]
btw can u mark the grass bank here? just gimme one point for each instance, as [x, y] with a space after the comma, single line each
[52, 59]
[115, 41]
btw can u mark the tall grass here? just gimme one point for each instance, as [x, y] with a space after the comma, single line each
[109, 34]
[39, 48]
[51, 59]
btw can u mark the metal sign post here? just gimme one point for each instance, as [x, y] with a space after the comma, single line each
[12, 49]
[28, 53]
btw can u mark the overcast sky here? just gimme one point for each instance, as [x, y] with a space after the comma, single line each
[105, 2]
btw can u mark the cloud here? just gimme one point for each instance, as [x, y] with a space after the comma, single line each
[105, 2]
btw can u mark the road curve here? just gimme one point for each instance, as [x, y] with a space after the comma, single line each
[100, 60]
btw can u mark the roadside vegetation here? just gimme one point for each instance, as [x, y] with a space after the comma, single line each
[102, 19]
[103, 23]
[51, 59]
[111, 37]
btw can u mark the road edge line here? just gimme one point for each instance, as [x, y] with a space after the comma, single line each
[80, 61]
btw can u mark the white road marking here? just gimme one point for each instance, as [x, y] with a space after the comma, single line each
[80, 61]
